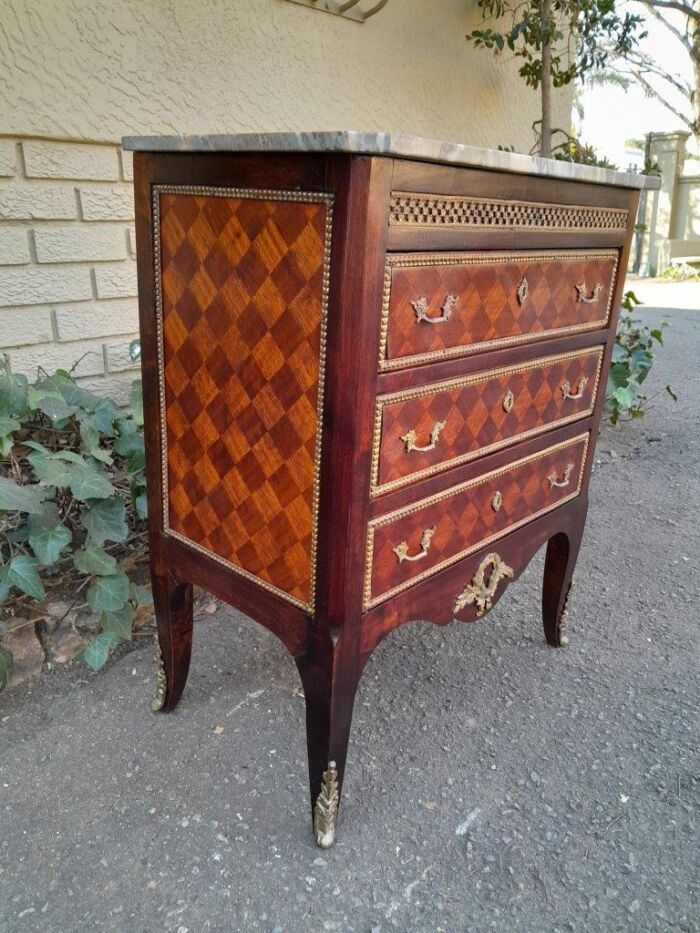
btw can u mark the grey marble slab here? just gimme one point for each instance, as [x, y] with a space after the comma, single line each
[389, 144]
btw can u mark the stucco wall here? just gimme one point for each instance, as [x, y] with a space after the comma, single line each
[92, 70]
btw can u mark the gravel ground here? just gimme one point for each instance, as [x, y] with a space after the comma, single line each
[493, 783]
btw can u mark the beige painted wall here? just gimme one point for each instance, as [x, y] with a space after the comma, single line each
[93, 70]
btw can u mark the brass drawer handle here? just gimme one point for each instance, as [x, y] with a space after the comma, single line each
[593, 297]
[566, 478]
[566, 388]
[409, 438]
[401, 550]
[508, 401]
[522, 291]
[479, 591]
[420, 306]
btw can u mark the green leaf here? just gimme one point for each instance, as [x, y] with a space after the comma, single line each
[9, 425]
[671, 393]
[5, 668]
[136, 401]
[51, 471]
[6, 445]
[619, 374]
[23, 574]
[127, 444]
[141, 595]
[108, 593]
[89, 484]
[13, 393]
[141, 505]
[104, 416]
[94, 560]
[16, 498]
[105, 521]
[48, 543]
[4, 588]
[624, 396]
[50, 402]
[96, 653]
[119, 621]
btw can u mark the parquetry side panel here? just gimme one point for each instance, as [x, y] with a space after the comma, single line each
[242, 342]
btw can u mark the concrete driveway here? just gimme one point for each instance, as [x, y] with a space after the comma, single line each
[493, 783]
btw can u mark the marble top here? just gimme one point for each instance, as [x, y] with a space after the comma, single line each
[389, 144]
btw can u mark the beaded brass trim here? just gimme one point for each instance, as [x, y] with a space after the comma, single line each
[411, 209]
[270, 194]
[370, 601]
[484, 258]
[445, 386]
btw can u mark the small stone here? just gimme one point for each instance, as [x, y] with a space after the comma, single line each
[634, 906]
[534, 777]
[64, 645]
[27, 653]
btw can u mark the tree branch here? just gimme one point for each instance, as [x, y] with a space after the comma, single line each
[684, 8]
[652, 92]
[682, 37]
[645, 64]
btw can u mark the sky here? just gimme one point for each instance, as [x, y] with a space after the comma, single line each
[613, 115]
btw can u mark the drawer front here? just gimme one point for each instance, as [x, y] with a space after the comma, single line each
[418, 540]
[442, 305]
[419, 432]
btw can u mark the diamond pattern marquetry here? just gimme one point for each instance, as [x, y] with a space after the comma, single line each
[243, 317]
[500, 299]
[546, 393]
[464, 517]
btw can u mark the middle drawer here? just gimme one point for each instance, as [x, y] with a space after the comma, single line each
[423, 431]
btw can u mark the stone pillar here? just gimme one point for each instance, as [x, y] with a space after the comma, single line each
[662, 212]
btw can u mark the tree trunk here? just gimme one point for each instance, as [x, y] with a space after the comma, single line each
[546, 84]
[695, 59]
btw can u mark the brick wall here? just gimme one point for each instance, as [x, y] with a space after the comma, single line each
[67, 261]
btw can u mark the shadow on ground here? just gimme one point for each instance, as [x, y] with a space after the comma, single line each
[493, 783]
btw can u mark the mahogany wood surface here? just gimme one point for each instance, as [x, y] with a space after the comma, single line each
[479, 300]
[332, 636]
[467, 514]
[471, 415]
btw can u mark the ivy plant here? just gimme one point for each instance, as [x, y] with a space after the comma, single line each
[632, 359]
[72, 503]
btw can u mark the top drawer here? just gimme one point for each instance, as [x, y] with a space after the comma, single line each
[442, 305]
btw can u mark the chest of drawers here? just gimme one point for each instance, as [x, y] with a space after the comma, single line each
[373, 375]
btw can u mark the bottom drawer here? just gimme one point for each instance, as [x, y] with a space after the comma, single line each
[415, 542]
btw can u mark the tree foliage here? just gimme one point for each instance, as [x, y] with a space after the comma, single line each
[555, 41]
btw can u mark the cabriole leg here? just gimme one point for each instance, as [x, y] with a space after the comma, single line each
[330, 676]
[562, 551]
[172, 601]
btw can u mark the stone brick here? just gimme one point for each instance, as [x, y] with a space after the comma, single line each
[116, 386]
[87, 354]
[30, 285]
[78, 243]
[37, 201]
[107, 202]
[8, 158]
[116, 281]
[118, 358]
[14, 246]
[70, 160]
[20, 326]
[127, 160]
[97, 318]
